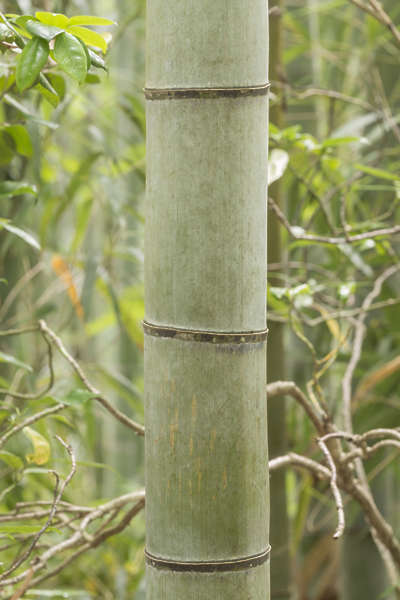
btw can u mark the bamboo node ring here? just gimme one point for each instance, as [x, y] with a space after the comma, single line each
[212, 92]
[237, 564]
[213, 337]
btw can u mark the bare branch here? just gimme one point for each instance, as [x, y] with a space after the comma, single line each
[289, 388]
[47, 388]
[357, 344]
[58, 492]
[30, 421]
[336, 241]
[302, 462]
[376, 10]
[79, 537]
[138, 429]
[333, 482]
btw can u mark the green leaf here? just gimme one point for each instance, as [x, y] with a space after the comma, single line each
[88, 59]
[15, 188]
[11, 360]
[97, 61]
[89, 20]
[377, 172]
[13, 528]
[27, 237]
[340, 141]
[32, 59]
[58, 83]
[22, 140]
[44, 81]
[53, 19]
[46, 32]
[47, 95]
[11, 460]
[92, 38]
[77, 397]
[84, 208]
[92, 79]
[26, 112]
[6, 152]
[70, 56]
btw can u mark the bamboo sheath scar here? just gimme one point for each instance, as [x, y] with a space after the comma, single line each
[207, 505]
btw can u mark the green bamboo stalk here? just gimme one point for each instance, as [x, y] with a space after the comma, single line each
[277, 437]
[280, 560]
[206, 427]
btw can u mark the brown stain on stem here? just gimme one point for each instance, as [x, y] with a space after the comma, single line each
[213, 437]
[194, 408]
[224, 479]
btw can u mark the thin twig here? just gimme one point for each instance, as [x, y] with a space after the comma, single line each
[333, 482]
[29, 421]
[376, 10]
[138, 429]
[58, 492]
[297, 460]
[289, 388]
[336, 241]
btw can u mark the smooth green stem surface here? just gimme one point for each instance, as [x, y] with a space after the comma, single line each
[206, 422]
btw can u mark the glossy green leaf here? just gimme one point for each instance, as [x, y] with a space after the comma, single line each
[44, 81]
[22, 140]
[92, 38]
[32, 59]
[86, 50]
[89, 20]
[70, 56]
[46, 32]
[49, 96]
[15, 188]
[97, 61]
[11, 360]
[58, 83]
[53, 19]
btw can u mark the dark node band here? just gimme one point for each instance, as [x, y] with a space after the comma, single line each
[212, 337]
[236, 92]
[238, 564]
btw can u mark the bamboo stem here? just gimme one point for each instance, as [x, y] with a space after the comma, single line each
[206, 428]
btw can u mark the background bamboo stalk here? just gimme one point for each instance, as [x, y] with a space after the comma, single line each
[277, 436]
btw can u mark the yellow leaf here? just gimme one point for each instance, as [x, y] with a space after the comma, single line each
[61, 268]
[41, 447]
[375, 378]
[91, 38]
[53, 19]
